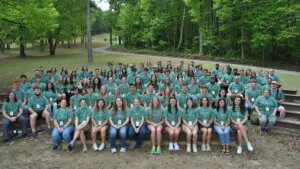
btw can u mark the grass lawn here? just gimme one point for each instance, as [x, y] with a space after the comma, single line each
[12, 66]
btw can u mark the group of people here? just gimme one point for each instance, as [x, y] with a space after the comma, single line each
[128, 101]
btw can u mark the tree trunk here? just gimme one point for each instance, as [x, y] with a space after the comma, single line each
[52, 47]
[181, 29]
[69, 44]
[90, 49]
[200, 39]
[42, 45]
[22, 48]
[7, 46]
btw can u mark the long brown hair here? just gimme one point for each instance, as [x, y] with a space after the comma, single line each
[96, 107]
[115, 107]
[151, 108]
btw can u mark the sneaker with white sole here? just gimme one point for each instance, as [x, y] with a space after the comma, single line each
[249, 146]
[203, 147]
[208, 147]
[84, 149]
[95, 147]
[113, 150]
[101, 147]
[123, 150]
[195, 150]
[239, 150]
[176, 146]
[171, 146]
[188, 148]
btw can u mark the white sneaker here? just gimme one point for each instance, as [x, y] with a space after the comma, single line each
[176, 146]
[239, 150]
[171, 146]
[113, 150]
[195, 148]
[188, 148]
[208, 147]
[249, 146]
[95, 146]
[123, 150]
[101, 147]
[203, 147]
[84, 149]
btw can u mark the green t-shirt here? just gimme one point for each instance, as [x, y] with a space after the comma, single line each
[155, 115]
[75, 100]
[91, 99]
[205, 114]
[237, 115]
[60, 88]
[130, 97]
[266, 105]
[147, 98]
[277, 94]
[51, 96]
[12, 108]
[137, 113]
[190, 115]
[252, 94]
[120, 117]
[213, 89]
[193, 89]
[173, 116]
[181, 99]
[38, 104]
[29, 93]
[236, 88]
[62, 115]
[228, 78]
[82, 113]
[110, 88]
[221, 117]
[100, 117]
[124, 88]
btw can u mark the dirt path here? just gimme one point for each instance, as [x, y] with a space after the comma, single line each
[105, 50]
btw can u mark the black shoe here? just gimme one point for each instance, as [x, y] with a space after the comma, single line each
[70, 147]
[5, 141]
[34, 134]
[55, 147]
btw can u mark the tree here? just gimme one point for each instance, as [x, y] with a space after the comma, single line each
[90, 49]
[29, 19]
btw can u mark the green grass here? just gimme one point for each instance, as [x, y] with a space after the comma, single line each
[12, 66]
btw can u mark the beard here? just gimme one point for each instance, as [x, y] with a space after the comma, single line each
[37, 94]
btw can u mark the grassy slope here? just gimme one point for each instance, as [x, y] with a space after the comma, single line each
[12, 66]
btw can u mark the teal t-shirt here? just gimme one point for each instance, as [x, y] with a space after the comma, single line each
[62, 115]
[266, 105]
[12, 108]
[82, 113]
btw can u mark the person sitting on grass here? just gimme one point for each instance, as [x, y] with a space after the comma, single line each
[12, 112]
[239, 119]
[190, 125]
[38, 107]
[63, 125]
[99, 121]
[82, 118]
[155, 121]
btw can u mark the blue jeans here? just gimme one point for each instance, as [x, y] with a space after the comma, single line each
[7, 126]
[139, 137]
[223, 135]
[66, 135]
[113, 133]
[267, 121]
